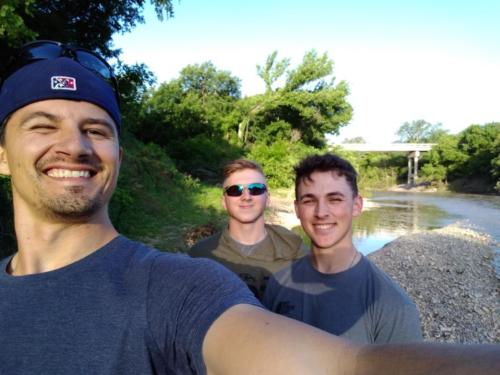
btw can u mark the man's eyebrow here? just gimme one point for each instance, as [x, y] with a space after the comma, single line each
[308, 195]
[36, 114]
[331, 194]
[335, 194]
[99, 121]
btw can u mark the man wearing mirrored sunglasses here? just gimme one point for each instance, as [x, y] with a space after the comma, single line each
[78, 298]
[247, 246]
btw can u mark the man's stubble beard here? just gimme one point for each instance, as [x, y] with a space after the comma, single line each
[72, 205]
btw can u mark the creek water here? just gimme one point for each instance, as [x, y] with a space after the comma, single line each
[388, 215]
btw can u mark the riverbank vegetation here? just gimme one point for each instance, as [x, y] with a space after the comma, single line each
[178, 134]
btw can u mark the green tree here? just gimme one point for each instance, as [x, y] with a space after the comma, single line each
[495, 163]
[134, 83]
[445, 161]
[473, 153]
[191, 116]
[480, 144]
[13, 29]
[419, 131]
[309, 103]
[199, 102]
[272, 70]
[278, 160]
[89, 24]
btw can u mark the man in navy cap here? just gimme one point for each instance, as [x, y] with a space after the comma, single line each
[78, 298]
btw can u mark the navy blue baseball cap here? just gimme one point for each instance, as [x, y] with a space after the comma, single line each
[60, 78]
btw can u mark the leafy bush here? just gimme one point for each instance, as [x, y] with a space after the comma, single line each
[202, 157]
[154, 202]
[278, 160]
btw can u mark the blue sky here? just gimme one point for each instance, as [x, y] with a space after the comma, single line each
[403, 60]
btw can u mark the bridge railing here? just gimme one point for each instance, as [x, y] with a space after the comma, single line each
[386, 147]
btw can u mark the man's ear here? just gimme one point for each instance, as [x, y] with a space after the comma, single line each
[357, 206]
[296, 206]
[4, 165]
[223, 201]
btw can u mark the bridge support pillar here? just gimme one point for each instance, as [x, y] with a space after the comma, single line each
[413, 172]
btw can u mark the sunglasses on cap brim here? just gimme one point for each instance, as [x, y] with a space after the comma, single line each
[256, 188]
[48, 50]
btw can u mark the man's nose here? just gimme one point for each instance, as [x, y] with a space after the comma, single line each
[73, 142]
[322, 209]
[246, 194]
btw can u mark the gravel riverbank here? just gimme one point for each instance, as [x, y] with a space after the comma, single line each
[449, 274]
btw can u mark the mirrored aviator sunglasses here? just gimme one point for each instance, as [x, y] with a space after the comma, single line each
[48, 49]
[256, 188]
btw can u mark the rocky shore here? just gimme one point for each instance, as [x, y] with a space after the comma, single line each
[449, 274]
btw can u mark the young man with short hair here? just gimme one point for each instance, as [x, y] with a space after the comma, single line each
[336, 288]
[247, 246]
[78, 298]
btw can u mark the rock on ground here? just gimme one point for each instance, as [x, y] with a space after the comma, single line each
[449, 274]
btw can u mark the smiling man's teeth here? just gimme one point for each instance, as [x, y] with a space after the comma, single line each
[323, 226]
[66, 173]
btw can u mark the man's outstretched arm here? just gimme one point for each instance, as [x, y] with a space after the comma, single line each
[429, 358]
[250, 340]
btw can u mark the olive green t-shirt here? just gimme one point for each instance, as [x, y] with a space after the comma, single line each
[254, 264]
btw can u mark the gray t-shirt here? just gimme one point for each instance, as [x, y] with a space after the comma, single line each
[124, 309]
[362, 304]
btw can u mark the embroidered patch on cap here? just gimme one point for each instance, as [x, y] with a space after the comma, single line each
[63, 83]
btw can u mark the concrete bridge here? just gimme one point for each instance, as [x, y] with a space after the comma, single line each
[412, 149]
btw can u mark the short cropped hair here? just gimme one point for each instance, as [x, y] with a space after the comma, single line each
[239, 165]
[325, 163]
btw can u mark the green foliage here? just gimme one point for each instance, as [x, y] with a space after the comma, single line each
[379, 170]
[419, 131]
[200, 102]
[89, 24]
[309, 102]
[207, 82]
[134, 81]
[480, 144]
[278, 159]
[272, 70]
[191, 117]
[444, 161]
[155, 203]
[13, 29]
[433, 173]
[204, 158]
[311, 74]
[495, 164]
[277, 130]
[473, 153]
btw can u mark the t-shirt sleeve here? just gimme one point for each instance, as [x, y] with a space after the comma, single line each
[204, 247]
[185, 297]
[399, 320]
[400, 326]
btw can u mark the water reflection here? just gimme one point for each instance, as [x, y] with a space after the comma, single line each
[388, 215]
